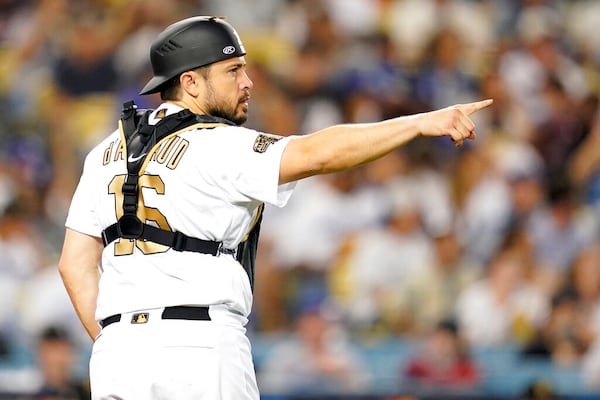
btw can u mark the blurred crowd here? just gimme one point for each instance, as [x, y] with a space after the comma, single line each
[493, 243]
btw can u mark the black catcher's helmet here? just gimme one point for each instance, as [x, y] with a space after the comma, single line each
[188, 44]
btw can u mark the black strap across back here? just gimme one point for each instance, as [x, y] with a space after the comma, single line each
[140, 138]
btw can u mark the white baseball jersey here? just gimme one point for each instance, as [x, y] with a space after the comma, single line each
[206, 183]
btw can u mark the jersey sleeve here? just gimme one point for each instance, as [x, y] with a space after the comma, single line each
[82, 215]
[252, 166]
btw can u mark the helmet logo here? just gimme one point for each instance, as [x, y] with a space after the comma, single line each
[228, 50]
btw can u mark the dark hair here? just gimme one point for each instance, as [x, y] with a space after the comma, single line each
[448, 325]
[55, 333]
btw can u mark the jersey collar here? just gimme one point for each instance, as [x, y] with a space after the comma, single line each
[169, 108]
[162, 111]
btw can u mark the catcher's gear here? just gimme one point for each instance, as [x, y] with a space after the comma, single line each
[141, 140]
[188, 44]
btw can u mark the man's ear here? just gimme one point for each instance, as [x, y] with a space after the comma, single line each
[190, 83]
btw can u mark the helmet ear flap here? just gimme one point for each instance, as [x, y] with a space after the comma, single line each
[189, 44]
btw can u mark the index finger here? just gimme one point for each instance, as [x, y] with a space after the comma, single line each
[470, 108]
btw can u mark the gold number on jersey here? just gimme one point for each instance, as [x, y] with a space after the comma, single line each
[144, 213]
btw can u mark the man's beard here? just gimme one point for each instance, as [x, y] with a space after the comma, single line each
[229, 113]
[222, 109]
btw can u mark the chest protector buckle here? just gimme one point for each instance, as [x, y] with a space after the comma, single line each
[130, 227]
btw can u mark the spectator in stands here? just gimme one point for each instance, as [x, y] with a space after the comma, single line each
[429, 295]
[44, 302]
[445, 76]
[524, 170]
[376, 262]
[539, 53]
[302, 260]
[317, 358]
[508, 121]
[22, 252]
[442, 364]
[566, 335]
[57, 357]
[574, 323]
[555, 229]
[84, 85]
[557, 137]
[481, 200]
[503, 307]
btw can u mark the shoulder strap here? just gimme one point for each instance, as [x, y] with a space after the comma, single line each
[130, 116]
[146, 136]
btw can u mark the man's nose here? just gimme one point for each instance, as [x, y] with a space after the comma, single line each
[246, 81]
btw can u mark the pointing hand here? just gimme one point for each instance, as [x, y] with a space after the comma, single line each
[452, 121]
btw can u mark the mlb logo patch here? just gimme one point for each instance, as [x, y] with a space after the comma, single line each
[140, 318]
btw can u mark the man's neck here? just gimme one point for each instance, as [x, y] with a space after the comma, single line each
[190, 105]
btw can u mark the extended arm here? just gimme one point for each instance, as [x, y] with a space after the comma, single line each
[78, 267]
[341, 147]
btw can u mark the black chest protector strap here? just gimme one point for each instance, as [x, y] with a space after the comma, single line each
[140, 138]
